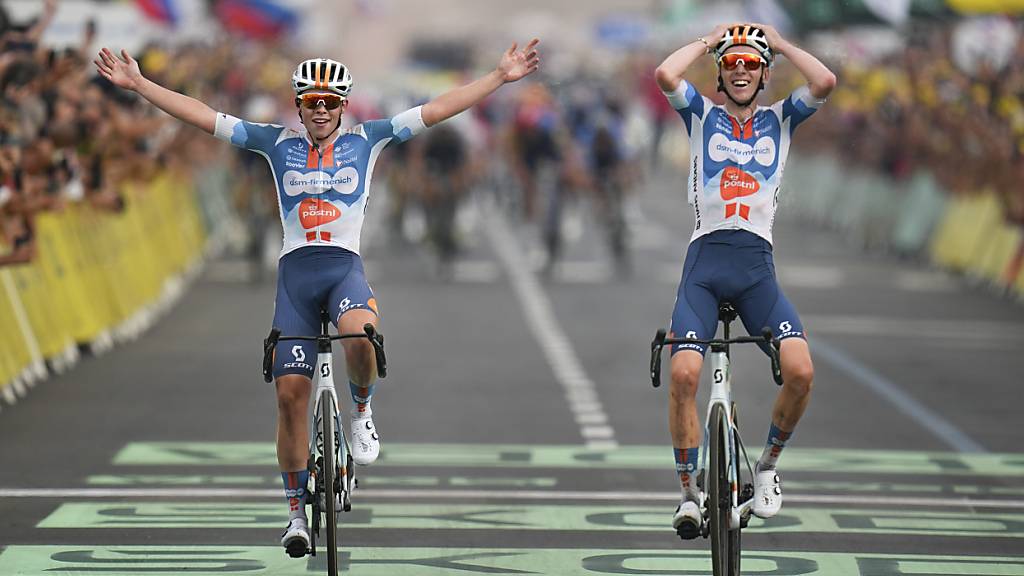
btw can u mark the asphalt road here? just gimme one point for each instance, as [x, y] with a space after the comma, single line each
[520, 433]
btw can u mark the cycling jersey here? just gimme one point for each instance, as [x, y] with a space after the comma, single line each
[736, 169]
[321, 191]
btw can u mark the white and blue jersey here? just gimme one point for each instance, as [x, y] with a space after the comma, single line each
[735, 178]
[736, 170]
[321, 192]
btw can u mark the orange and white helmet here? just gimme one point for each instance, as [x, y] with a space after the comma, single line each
[322, 74]
[745, 36]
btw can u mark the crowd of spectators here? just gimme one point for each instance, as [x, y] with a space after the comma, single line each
[917, 109]
[69, 136]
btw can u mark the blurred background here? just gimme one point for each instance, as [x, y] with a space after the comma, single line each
[917, 155]
[524, 253]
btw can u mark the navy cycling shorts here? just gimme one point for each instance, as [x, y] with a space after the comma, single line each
[734, 266]
[309, 279]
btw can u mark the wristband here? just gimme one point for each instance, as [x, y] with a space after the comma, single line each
[707, 47]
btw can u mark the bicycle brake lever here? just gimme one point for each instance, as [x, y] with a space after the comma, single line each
[656, 346]
[377, 341]
[268, 354]
[773, 352]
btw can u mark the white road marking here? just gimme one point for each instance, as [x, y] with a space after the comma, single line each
[580, 391]
[504, 495]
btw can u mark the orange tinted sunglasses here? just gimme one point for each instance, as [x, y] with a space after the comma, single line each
[749, 61]
[311, 101]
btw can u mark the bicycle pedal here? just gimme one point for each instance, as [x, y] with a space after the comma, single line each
[296, 549]
[688, 531]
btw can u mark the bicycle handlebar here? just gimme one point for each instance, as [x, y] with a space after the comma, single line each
[369, 332]
[661, 341]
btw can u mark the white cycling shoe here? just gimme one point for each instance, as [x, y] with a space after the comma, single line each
[365, 442]
[687, 520]
[767, 494]
[296, 538]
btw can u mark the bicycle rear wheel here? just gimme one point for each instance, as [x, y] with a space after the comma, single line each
[330, 479]
[725, 543]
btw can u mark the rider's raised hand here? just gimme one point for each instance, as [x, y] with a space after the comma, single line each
[122, 72]
[775, 40]
[719, 32]
[516, 64]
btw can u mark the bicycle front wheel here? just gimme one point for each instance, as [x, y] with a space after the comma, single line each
[725, 543]
[330, 475]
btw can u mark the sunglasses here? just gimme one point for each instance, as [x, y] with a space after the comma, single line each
[312, 101]
[731, 60]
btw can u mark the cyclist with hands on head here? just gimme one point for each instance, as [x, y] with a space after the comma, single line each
[322, 174]
[737, 153]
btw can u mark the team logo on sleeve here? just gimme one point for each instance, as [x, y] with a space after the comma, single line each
[314, 212]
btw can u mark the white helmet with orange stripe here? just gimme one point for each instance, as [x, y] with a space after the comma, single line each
[322, 74]
[745, 36]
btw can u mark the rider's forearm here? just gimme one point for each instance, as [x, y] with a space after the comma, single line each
[182, 107]
[820, 79]
[460, 99]
[671, 71]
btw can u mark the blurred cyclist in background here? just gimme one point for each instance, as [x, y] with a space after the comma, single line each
[322, 174]
[737, 153]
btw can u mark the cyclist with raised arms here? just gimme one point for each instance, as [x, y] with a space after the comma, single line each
[737, 154]
[322, 174]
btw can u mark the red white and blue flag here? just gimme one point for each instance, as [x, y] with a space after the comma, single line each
[165, 11]
[260, 19]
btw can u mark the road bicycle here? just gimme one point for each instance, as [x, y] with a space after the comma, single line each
[725, 507]
[331, 472]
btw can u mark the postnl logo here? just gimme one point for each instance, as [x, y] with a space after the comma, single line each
[314, 212]
[737, 184]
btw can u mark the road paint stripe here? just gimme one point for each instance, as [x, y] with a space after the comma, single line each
[848, 462]
[927, 418]
[427, 494]
[580, 391]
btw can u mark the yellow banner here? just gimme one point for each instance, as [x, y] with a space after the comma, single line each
[95, 271]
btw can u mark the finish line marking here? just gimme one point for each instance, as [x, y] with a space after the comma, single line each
[412, 494]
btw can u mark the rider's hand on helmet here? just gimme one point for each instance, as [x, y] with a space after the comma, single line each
[121, 73]
[775, 41]
[517, 64]
[718, 33]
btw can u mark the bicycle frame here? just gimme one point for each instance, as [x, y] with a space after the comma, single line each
[330, 470]
[721, 395]
[324, 390]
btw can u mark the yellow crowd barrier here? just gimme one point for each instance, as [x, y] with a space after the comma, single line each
[94, 271]
[973, 237]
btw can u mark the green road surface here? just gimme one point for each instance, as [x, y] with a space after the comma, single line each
[533, 456]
